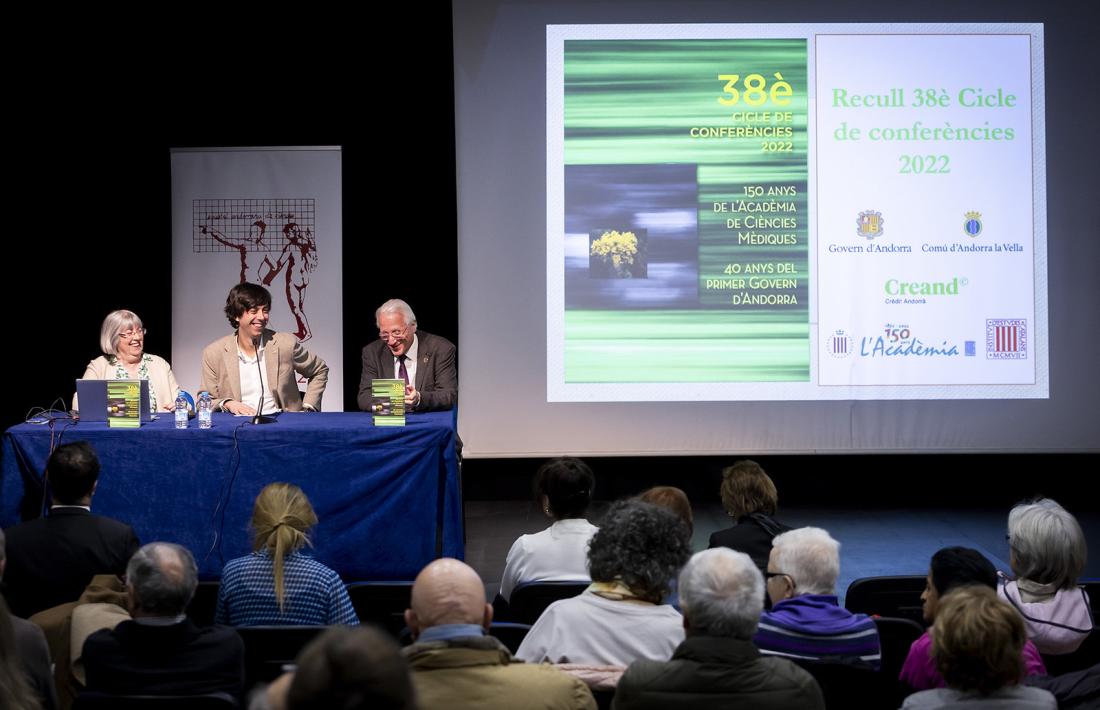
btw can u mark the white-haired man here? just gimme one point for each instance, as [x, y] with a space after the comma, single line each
[805, 621]
[717, 666]
[426, 362]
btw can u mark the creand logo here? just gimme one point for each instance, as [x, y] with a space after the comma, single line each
[898, 287]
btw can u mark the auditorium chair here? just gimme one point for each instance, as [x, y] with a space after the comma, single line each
[509, 634]
[204, 603]
[105, 701]
[268, 648]
[895, 636]
[382, 604]
[895, 597]
[847, 686]
[530, 599]
[1086, 655]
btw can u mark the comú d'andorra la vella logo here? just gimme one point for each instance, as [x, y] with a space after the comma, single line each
[899, 341]
[973, 224]
[869, 224]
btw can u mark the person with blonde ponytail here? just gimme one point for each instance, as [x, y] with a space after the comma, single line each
[277, 584]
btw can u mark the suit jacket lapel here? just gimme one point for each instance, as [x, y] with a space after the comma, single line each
[271, 362]
[232, 367]
[422, 355]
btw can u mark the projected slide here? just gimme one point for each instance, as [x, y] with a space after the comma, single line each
[771, 212]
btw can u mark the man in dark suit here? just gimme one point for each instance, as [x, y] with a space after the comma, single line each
[426, 362]
[51, 560]
[161, 651]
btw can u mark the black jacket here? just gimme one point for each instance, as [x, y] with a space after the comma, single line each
[51, 560]
[715, 672]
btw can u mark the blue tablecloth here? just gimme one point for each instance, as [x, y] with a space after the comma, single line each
[382, 494]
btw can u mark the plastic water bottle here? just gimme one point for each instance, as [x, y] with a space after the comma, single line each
[206, 405]
[181, 411]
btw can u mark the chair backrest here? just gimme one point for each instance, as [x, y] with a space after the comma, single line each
[204, 603]
[530, 599]
[896, 597]
[1086, 655]
[845, 686]
[895, 636]
[268, 648]
[105, 701]
[509, 634]
[382, 604]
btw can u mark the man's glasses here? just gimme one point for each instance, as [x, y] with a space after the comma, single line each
[397, 333]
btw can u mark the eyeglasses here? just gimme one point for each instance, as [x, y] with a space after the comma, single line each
[128, 334]
[397, 333]
[770, 575]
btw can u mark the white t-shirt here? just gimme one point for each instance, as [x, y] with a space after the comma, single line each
[592, 630]
[557, 554]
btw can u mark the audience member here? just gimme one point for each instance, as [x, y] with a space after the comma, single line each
[750, 499]
[805, 621]
[717, 666]
[456, 665]
[1047, 555]
[976, 643]
[619, 618]
[16, 689]
[52, 559]
[28, 645]
[952, 568]
[563, 488]
[348, 669]
[277, 584]
[161, 651]
[672, 498]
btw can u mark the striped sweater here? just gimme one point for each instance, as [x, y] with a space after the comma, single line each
[813, 627]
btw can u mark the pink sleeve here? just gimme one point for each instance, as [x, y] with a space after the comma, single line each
[919, 671]
[1033, 662]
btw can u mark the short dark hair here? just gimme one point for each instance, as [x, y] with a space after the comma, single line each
[746, 489]
[959, 566]
[243, 297]
[346, 668]
[567, 483]
[72, 470]
[642, 545]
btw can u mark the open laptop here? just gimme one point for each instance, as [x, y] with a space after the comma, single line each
[93, 399]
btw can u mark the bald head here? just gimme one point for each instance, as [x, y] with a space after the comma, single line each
[447, 592]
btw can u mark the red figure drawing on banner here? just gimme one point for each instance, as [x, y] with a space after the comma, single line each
[255, 236]
[297, 261]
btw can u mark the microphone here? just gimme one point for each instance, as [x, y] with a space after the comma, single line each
[259, 418]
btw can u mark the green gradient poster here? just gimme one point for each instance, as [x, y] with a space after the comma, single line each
[684, 172]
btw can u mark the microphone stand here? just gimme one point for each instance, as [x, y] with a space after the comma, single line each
[259, 418]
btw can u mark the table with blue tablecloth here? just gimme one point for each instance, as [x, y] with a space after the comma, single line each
[387, 498]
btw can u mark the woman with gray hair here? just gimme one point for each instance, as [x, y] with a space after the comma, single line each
[122, 340]
[1047, 552]
[619, 619]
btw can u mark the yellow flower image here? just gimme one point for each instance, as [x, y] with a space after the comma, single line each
[618, 249]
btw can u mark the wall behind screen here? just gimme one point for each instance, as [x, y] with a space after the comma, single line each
[501, 146]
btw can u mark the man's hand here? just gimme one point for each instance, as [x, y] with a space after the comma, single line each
[412, 397]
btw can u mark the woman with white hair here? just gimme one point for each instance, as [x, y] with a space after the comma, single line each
[1047, 555]
[122, 340]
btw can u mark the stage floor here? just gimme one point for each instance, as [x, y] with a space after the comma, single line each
[873, 542]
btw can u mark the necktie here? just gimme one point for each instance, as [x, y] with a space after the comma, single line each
[402, 371]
